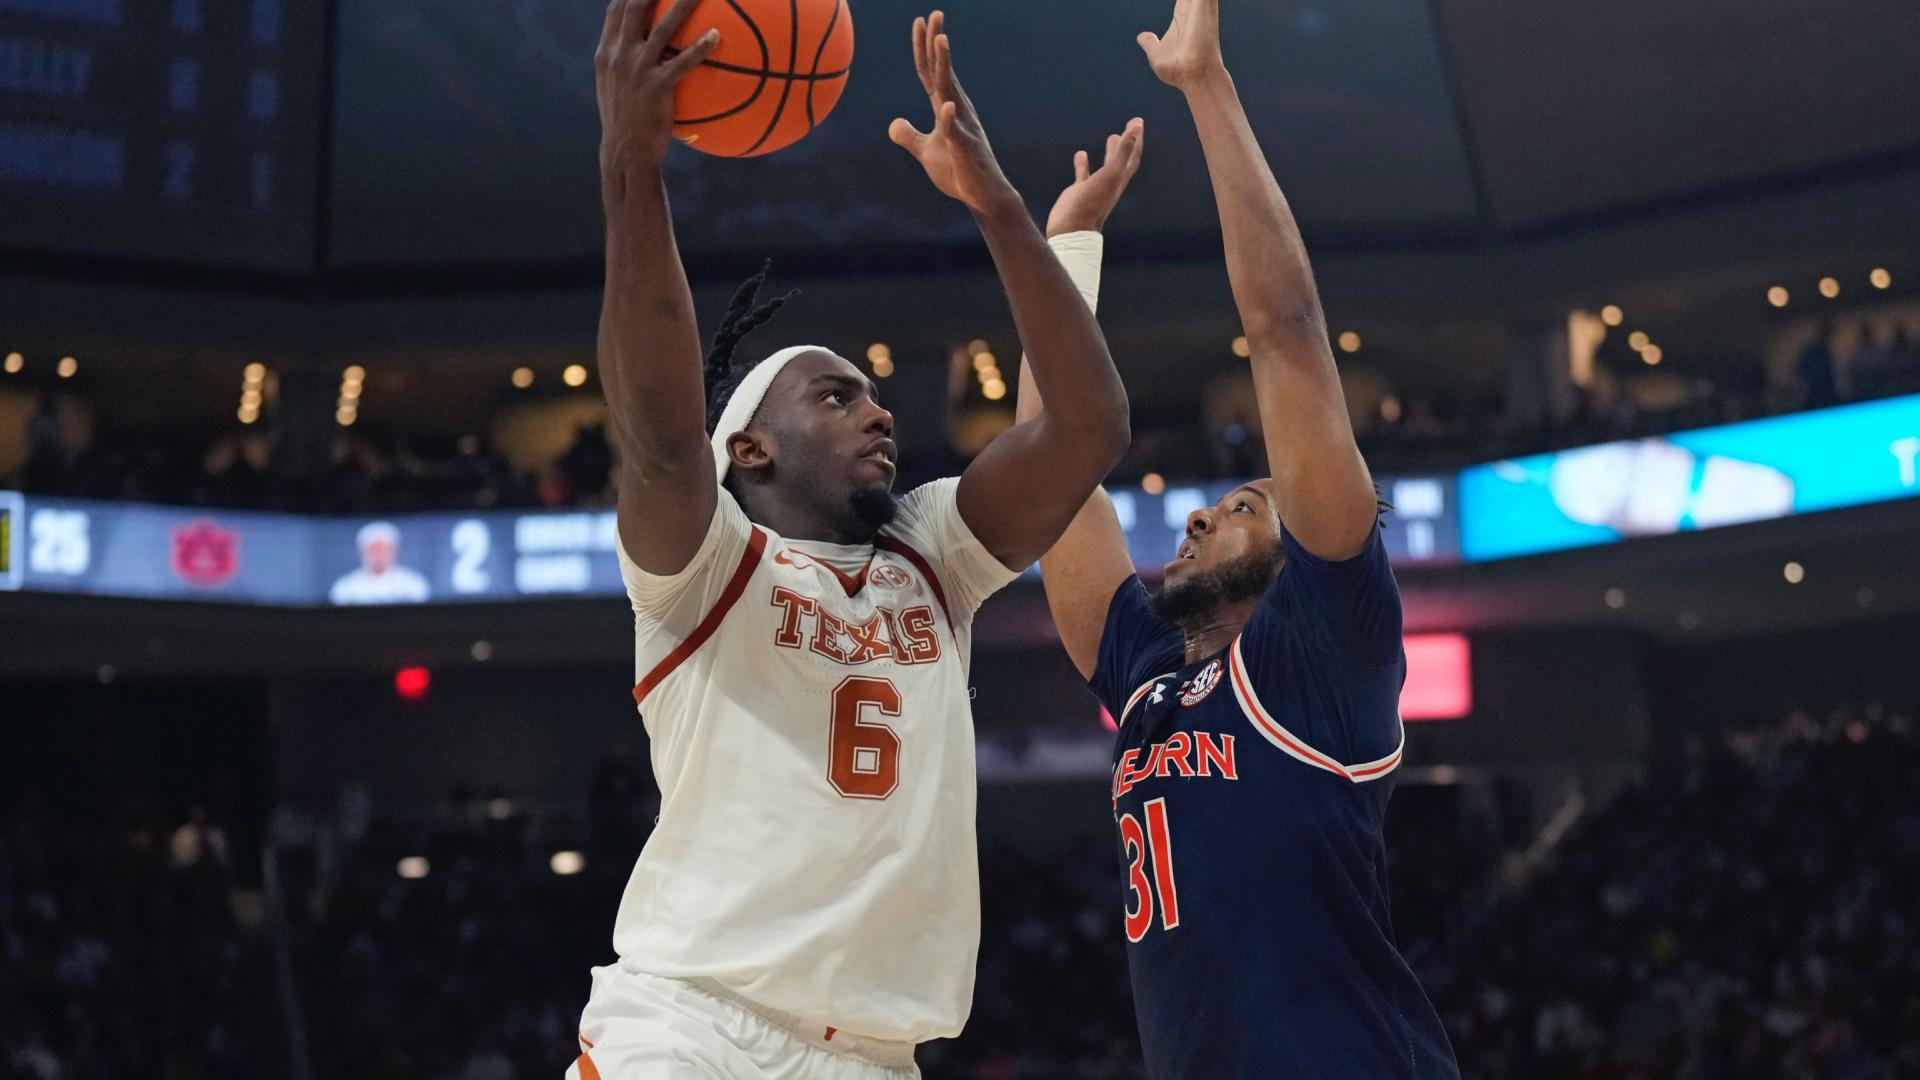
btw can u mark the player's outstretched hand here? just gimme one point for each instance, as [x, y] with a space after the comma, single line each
[955, 153]
[1092, 195]
[1190, 49]
[634, 75]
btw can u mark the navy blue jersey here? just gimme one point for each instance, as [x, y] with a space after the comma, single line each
[1249, 789]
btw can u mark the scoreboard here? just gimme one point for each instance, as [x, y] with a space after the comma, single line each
[180, 130]
[65, 545]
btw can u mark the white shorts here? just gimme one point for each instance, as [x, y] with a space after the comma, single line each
[646, 1027]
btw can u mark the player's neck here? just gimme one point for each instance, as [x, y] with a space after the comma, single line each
[804, 522]
[1215, 632]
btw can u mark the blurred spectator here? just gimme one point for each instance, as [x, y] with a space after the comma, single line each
[1814, 370]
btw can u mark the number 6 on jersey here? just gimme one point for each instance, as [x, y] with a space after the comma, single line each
[864, 755]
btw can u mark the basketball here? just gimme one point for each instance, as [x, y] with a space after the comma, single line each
[778, 71]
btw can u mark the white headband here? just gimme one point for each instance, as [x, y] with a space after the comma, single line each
[746, 401]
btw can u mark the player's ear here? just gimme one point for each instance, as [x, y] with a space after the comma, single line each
[750, 450]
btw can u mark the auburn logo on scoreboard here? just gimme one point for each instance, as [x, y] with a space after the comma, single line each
[204, 554]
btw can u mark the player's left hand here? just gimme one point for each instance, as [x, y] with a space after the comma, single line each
[955, 153]
[1085, 204]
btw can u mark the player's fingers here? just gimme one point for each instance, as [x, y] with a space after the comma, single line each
[1149, 42]
[1079, 165]
[1136, 144]
[943, 65]
[677, 68]
[610, 30]
[663, 33]
[635, 20]
[906, 136]
[922, 63]
[1112, 152]
[943, 120]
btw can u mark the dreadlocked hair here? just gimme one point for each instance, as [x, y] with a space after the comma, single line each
[743, 317]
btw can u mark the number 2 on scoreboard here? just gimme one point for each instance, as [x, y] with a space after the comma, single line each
[1155, 842]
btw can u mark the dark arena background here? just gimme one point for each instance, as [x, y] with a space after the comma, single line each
[1626, 300]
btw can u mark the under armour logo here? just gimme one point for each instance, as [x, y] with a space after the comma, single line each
[1159, 693]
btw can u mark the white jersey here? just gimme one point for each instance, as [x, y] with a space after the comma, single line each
[813, 743]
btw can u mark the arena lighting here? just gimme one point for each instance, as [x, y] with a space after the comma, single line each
[1612, 315]
[481, 651]
[976, 347]
[412, 683]
[1241, 348]
[1439, 682]
[1390, 409]
[1350, 342]
[68, 367]
[523, 377]
[994, 389]
[574, 375]
[345, 416]
[255, 372]
[1637, 340]
[1153, 483]
[15, 362]
[567, 863]
[1829, 287]
[1616, 599]
[246, 415]
[1777, 296]
[354, 373]
[413, 867]
[499, 809]
[882, 368]
[983, 360]
[1880, 278]
[879, 351]
[1794, 573]
[1651, 354]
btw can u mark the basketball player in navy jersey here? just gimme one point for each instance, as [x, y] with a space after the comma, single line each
[1256, 693]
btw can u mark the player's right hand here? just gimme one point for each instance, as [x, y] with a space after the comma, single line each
[1190, 49]
[634, 79]
[956, 154]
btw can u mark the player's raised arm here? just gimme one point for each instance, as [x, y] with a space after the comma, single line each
[1090, 560]
[649, 346]
[1325, 496]
[1021, 492]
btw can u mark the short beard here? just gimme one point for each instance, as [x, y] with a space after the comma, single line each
[874, 507]
[1195, 601]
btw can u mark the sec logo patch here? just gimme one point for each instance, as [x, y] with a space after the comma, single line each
[1202, 684]
[888, 576]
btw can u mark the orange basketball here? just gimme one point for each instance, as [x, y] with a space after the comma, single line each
[778, 71]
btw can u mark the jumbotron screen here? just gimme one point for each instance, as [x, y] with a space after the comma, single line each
[176, 130]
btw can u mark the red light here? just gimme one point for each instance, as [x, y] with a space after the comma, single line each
[411, 683]
[1439, 678]
[1106, 720]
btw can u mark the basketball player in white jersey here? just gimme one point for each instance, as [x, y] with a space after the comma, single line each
[808, 906]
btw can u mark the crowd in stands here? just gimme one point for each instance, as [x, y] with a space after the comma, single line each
[1748, 910]
[1751, 912]
[384, 472]
[121, 954]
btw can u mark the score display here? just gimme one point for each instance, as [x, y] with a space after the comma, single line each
[183, 130]
[243, 557]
